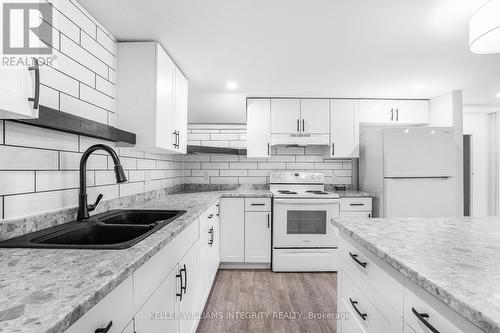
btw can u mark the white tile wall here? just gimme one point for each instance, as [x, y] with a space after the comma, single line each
[39, 167]
[230, 169]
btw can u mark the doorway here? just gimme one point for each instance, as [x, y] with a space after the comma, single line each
[467, 175]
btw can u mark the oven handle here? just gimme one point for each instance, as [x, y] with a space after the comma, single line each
[303, 201]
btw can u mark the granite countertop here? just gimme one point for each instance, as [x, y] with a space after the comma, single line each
[353, 194]
[457, 260]
[46, 290]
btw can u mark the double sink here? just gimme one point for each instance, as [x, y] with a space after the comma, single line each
[116, 229]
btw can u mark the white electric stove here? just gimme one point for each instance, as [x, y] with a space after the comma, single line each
[303, 237]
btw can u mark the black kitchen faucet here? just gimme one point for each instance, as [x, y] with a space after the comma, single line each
[83, 207]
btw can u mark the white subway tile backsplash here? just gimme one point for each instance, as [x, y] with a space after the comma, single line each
[199, 137]
[12, 182]
[91, 45]
[131, 188]
[233, 173]
[212, 143]
[146, 164]
[223, 137]
[252, 180]
[71, 161]
[58, 81]
[62, 23]
[106, 41]
[86, 142]
[19, 158]
[74, 69]
[259, 173]
[33, 203]
[243, 165]
[224, 180]
[49, 97]
[197, 180]
[106, 177]
[275, 166]
[204, 173]
[97, 98]
[105, 86]
[60, 180]
[84, 57]
[71, 11]
[216, 165]
[108, 192]
[18, 134]
[224, 158]
[309, 158]
[83, 109]
[111, 75]
[136, 175]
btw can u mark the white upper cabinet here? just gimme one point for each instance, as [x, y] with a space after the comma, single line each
[151, 97]
[259, 128]
[315, 115]
[344, 128]
[180, 112]
[15, 90]
[285, 116]
[396, 112]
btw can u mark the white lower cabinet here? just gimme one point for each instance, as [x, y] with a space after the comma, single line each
[377, 298]
[356, 207]
[232, 229]
[257, 236]
[168, 292]
[245, 225]
[158, 313]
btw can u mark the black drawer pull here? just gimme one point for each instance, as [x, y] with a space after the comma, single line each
[355, 258]
[179, 294]
[257, 204]
[357, 204]
[184, 287]
[210, 216]
[211, 240]
[36, 99]
[422, 317]
[362, 315]
[104, 330]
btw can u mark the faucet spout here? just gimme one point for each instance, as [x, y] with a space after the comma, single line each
[83, 207]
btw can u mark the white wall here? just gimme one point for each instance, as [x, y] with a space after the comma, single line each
[216, 108]
[479, 126]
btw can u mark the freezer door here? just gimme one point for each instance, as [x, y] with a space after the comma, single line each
[418, 152]
[419, 197]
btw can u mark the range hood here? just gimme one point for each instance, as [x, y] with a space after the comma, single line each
[300, 139]
[191, 149]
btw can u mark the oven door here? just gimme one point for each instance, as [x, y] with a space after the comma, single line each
[304, 223]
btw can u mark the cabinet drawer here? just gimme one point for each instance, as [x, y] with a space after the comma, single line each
[359, 214]
[383, 283]
[149, 276]
[209, 215]
[356, 204]
[365, 311]
[440, 316]
[117, 307]
[257, 204]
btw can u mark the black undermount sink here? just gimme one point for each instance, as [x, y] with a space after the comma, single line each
[117, 229]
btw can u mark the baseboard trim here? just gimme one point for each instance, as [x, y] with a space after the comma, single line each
[244, 265]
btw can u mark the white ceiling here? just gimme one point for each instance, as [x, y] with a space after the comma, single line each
[330, 48]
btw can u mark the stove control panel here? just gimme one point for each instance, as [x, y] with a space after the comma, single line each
[297, 178]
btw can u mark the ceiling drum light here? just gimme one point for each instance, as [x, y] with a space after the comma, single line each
[484, 29]
[231, 85]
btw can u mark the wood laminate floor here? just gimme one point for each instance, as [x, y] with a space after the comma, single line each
[263, 301]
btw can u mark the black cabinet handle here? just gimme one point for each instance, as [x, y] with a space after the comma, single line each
[211, 240]
[104, 330]
[333, 149]
[36, 99]
[422, 317]
[210, 216]
[268, 221]
[355, 258]
[392, 114]
[362, 315]
[257, 204]
[179, 294]
[298, 125]
[397, 114]
[268, 149]
[303, 125]
[357, 204]
[184, 287]
[178, 139]
[218, 210]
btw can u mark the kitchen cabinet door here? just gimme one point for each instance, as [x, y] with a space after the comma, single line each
[315, 116]
[232, 230]
[376, 111]
[191, 305]
[285, 116]
[258, 237]
[259, 128]
[344, 127]
[15, 89]
[180, 112]
[129, 328]
[162, 303]
[165, 82]
[412, 112]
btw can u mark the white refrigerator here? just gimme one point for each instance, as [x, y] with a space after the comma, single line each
[410, 171]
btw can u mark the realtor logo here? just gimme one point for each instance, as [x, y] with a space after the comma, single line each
[27, 28]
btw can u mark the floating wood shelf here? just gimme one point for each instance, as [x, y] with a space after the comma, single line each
[215, 150]
[66, 122]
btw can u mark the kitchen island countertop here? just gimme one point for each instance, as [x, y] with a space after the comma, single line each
[457, 260]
